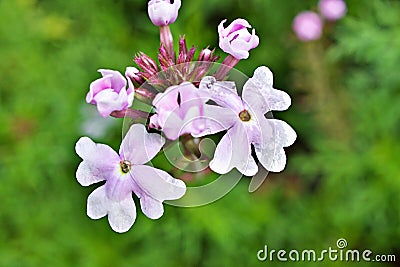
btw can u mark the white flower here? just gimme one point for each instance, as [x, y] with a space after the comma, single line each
[125, 173]
[247, 125]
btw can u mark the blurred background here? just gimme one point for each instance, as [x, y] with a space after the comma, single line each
[342, 179]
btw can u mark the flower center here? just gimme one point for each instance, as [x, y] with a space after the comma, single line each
[244, 115]
[125, 166]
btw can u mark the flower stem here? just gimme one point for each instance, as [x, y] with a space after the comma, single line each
[168, 41]
[228, 63]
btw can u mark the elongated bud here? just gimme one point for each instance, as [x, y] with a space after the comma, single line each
[162, 12]
[146, 63]
[185, 55]
[205, 54]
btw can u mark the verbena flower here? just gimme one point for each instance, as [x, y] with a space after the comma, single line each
[308, 26]
[162, 12]
[180, 111]
[332, 9]
[246, 124]
[236, 39]
[125, 173]
[109, 93]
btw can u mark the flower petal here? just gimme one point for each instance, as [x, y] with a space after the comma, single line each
[99, 161]
[179, 110]
[94, 153]
[207, 83]
[108, 100]
[234, 151]
[276, 134]
[167, 101]
[121, 214]
[119, 185]
[272, 158]
[154, 122]
[87, 174]
[260, 95]
[223, 93]
[217, 119]
[151, 207]
[284, 135]
[130, 93]
[194, 122]
[250, 168]
[97, 203]
[157, 184]
[190, 97]
[139, 146]
[171, 125]
[118, 81]
[96, 87]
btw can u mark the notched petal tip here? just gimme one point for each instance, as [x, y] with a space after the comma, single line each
[289, 132]
[264, 75]
[87, 175]
[82, 144]
[122, 215]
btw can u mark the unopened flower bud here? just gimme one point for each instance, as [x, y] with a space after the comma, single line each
[162, 12]
[236, 39]
[109, 93]
[205, 54]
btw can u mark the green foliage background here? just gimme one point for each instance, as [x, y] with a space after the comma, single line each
[343, 174]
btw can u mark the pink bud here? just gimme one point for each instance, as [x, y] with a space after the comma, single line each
[162, 12]
[109, 93]
[205, 54]
[236, 39]
[332, 9]
[308, 26]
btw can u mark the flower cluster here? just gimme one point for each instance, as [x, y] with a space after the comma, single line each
[190, 99]
[308, 25]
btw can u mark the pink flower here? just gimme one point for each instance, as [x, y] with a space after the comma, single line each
[236, 39]
[125, 173]
[179, 111]
[332, 9]
[109, 93]
[308, 26]
[162, 12]
[246, 124]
